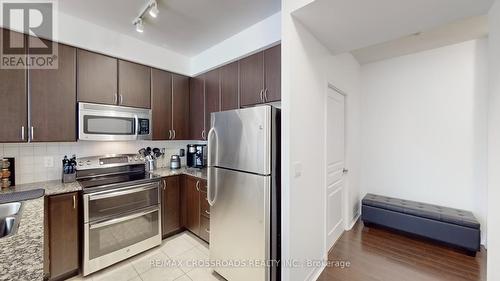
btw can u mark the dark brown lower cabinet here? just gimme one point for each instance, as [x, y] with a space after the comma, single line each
[63, 235]
[195, 207]
[171, 205]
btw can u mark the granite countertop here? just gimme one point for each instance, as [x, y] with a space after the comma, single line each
[21, 255]
[51, 187]
[166, 172]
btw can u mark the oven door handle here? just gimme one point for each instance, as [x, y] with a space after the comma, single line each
[137, 126]
[122, 219]
[128, 190]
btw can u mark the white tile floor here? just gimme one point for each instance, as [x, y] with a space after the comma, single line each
[173, 260]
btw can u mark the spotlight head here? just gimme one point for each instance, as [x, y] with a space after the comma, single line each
[139, 25]
[153, 10]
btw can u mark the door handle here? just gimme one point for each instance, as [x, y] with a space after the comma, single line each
[74, 202]
[22, 132]
[122, 219]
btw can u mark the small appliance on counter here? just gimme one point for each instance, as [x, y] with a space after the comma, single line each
[196, 155]
[175, 162]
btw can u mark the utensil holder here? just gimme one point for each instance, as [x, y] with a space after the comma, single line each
[68, 178]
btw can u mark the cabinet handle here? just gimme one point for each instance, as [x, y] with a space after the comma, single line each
[169, 134]
[115, 98]
[262, 95]
[164, 184]
[174, 135]
[32, 133]
[203, 134]
[22, 132]
[265, 94]
[198, 185]
[207, 230]
[74, 202]
[121, 99]
[207, 212]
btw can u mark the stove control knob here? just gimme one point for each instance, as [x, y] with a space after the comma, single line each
[89, 162]
[80, 163]
[136, 158]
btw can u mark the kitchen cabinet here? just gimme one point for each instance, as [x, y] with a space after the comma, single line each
[180, 107]
[192, 205]
[97, 80]
[134, 84]
[197, 108]
[272, 71]
[171, 205]
[260, 77]
[196, 208]
[13, 98]
[252, 79]
[53, 99]
[212, 95]
[161, 95]
[229, 87]
[63, 234]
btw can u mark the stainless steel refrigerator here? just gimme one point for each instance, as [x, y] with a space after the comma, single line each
[244, 193]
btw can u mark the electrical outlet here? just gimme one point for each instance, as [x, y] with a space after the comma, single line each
[48, 162]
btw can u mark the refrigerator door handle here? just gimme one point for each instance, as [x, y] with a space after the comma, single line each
[212, 182]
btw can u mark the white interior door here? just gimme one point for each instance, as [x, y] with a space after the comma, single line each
[335, 154]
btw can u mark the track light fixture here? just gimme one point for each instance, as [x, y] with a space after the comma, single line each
[152, 8]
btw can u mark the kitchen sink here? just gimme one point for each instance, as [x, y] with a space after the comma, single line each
[9, 209]
[10, 214]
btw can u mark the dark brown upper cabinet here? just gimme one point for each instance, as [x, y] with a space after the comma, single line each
[53, 99]
[212, 95]
[161, 95]
[13, 98]
[229, 90]
[180, 107]
[260, 77]
[97, 80]
[197, 108]
[272, 71]
[252, 79]
[134, 84]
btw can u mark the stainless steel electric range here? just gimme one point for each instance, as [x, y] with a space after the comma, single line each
[121, 205]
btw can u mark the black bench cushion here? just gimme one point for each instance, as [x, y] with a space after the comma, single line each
[439, 213]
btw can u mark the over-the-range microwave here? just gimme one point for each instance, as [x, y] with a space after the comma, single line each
[98, 122]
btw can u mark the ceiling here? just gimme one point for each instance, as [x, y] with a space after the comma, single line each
[187, 27]
[449, 34]
[346, 25]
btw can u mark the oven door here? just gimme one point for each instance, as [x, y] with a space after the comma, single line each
[113, 123]
[110, 241]
[107, 204]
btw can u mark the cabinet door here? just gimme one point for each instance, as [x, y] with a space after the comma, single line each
[272, 62]
[134, 84]
[171, 208]
[212, 95]
[161, 94]
[63, 234]
[180, 109]
[53, 99]
[197, 108]
[205, 229]
[251, 79]
[13, 98]
[192, 205]
[97, 78]
[229, 90]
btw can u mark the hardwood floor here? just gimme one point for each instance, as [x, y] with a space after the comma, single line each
[379, 254]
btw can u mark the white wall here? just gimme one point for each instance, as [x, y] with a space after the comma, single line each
[494, 144]
[255, 38]
[424, 132]
[307, 67]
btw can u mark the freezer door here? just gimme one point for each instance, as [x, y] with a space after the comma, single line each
[239, 225]
[241, 140]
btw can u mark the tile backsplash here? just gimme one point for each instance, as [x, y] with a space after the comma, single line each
[37, 162]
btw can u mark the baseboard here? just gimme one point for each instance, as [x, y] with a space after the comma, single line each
[314, 275]
[353, 222]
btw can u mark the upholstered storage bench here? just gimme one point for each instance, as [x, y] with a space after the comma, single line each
[453, 227]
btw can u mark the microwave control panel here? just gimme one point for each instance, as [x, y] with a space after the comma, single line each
[143, 126]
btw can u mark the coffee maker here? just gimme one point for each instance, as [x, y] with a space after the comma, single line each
[196, 155]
